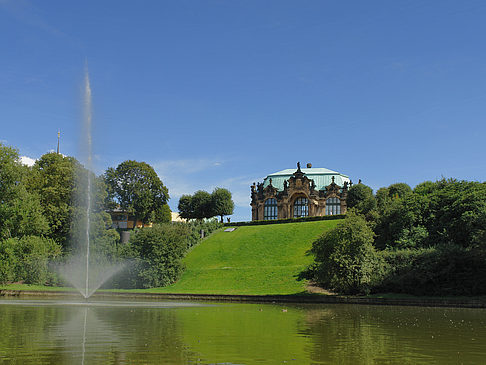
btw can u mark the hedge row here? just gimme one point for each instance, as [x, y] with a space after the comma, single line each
[288, 220]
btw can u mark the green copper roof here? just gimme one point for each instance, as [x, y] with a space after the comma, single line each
[322, 177]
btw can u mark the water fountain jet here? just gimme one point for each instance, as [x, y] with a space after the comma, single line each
[85, 272]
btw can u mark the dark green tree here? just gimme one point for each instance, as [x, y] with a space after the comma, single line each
[20, 210]
[136, 187]
[163, 214]
[157, 254]
[202, 205]
[455, 212]
[54, 181]
[185, 207]
[221, 202]
[361, 198]
[399, 190]
[345, 259]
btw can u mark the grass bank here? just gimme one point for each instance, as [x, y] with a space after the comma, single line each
[252, 260]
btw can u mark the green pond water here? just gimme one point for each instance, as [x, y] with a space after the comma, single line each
[149, 332]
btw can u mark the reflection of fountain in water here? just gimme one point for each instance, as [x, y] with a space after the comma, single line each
[84, 335]
[85, 272]
[107, 332]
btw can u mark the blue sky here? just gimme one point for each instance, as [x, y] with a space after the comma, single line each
[222, 93]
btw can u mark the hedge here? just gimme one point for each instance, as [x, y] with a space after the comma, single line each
[288, 220]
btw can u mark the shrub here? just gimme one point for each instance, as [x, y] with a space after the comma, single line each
[442, 270]
[27, 259]
[287, 220]
[8, 260]
[195, 228]
[156, 255]
[345, 259]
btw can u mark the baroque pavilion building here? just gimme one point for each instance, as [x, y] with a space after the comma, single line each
[299, 193]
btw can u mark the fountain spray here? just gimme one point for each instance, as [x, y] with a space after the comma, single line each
[89, 163]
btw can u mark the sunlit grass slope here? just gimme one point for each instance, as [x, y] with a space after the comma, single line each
[251, 260]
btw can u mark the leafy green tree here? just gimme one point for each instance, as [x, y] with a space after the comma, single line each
[345, 259]
[163, 214]
[456, 212]
[54, 181]
[138, 190]
[10, 171]
[221, 202]
[400, 223]
[202, 205]
[361, 198]
[20, 210]
[156, 254]
[382, 197]
[8, 260]
[27, 259]
[399, 190]
[22, 215]
[185, 207]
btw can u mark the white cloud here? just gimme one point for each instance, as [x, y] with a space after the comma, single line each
[27, 160]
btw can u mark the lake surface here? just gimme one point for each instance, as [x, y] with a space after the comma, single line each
[56, 332]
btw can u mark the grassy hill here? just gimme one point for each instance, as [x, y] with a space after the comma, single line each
[250, 260]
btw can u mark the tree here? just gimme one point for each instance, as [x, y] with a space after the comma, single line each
[157, 254]
[27, 259]
[10, 171]
[163, 214]
[399, 190]
[221, 202]
[185, 207]
[54, 181]
[202, 205]
[345, 259]
[138, 190]
[360, 197]
[20, 210]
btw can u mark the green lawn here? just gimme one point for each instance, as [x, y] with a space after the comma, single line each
[251, 260]
[255, 260]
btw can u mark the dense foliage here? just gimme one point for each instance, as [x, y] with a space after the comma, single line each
[26, 259]
[155, 253]
[204, 205]
[137, 189]
[43, 213]
[429, 240]
[345, 259]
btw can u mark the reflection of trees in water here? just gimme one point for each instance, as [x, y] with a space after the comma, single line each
[147, 335]
[401, 335]
[343, 336]
[244, 333]
[55, 334]
[23, 334]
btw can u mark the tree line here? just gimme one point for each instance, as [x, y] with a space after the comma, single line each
[41, 208]
[204, 205]
[430, 240]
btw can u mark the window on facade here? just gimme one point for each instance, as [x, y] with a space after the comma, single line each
[270, 209]
[333, 206]
[301, 207]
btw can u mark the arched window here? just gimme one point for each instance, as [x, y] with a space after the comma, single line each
[301, 207]
[270, 209]
[333, 206]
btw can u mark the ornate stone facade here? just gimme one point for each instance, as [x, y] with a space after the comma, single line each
[298, 195]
